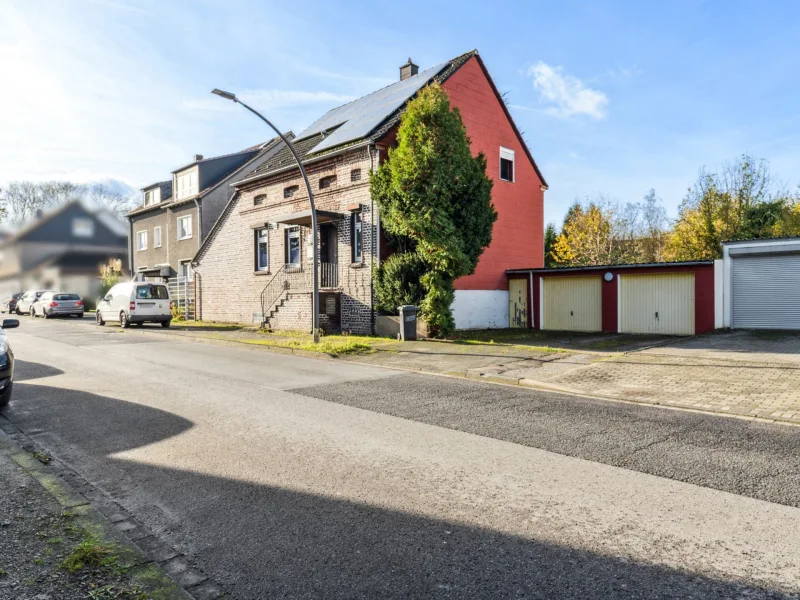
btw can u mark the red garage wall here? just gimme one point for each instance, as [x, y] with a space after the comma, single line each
[517, 238]
[703, 291]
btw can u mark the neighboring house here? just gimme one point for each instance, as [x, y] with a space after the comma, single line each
[62, 250]
[176, 215]
[255, 264]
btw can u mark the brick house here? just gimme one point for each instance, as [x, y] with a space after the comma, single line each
[176, 215]
[255, 265]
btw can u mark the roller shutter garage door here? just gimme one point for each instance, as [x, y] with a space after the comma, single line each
[766, 292]
[657, 304]
[572, 303]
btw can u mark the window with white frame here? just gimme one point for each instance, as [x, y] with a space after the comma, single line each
[356, 236]
[157, 237]
[83, 227]
[186, 184]
[148, 197]
[185, 227]
[292, 247]
[262, 249]
[141, 240]
[186, 271]
[506, 164]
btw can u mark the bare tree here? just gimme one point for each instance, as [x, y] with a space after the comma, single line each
[111, 199]
[21, 200]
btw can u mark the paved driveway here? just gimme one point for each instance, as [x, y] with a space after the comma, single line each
[744, 373]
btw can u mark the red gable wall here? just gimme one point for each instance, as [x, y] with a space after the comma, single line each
[517, 238]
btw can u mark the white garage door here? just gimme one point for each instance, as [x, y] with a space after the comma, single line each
[572, 304]
[657, 304]
[766, 292]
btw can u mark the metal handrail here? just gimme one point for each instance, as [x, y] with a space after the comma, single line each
[293, 277]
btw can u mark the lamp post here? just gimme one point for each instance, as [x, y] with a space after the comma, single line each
[314, 241]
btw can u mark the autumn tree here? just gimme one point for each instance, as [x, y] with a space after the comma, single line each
[743, 201]
[435, 203]
[588, 237]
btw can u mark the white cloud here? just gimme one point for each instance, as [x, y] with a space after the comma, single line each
[567, 95]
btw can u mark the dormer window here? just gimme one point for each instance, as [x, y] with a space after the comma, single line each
[152, 196]
[289, 192]
[326, 182]
[82, 227]
[186, 184]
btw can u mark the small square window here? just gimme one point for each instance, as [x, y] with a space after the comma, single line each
[290, 191]
[506, 164]
[82, 227]
[259, 200]
[355, 175]
[326, 182]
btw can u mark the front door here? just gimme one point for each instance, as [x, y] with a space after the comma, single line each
[518, 302]
[328, 253]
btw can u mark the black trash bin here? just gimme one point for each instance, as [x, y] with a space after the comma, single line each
[408, 323]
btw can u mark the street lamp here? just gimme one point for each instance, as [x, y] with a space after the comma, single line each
[315, 298]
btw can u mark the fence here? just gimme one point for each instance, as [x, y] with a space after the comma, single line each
[181, 292]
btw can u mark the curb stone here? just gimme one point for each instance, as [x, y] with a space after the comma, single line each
[163, 572]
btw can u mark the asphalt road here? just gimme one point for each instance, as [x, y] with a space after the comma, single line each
[268, 472]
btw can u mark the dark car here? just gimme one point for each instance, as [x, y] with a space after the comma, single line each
[9, 304]
[6, 363]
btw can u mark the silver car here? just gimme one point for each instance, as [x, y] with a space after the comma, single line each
[54, 304]
[26, 301]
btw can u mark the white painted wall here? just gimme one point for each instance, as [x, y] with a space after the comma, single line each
[481, 309]
[719, 294]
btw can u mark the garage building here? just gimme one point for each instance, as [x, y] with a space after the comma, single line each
[762, 284]
[663, 298]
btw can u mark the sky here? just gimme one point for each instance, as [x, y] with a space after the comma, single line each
[612, 97]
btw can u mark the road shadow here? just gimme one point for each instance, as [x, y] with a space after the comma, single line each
[26, 371]
[262, 541]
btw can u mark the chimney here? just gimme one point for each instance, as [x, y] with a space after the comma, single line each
[198, 157]
[39, 213]
[408, 70]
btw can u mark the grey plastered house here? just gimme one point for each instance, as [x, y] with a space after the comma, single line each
[176, 215]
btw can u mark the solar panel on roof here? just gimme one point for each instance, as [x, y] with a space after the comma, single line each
[360, 117]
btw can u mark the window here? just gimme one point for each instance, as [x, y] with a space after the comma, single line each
[506, 164]
[355, 175]
[259, 200]
[148, 198]
[186, 184]
[66, 297]
[326, 182]
[83, 227]
[151, 292]
[185, 227]
[157, 237]
[186, 271]
[356, 236]
[292, 247]
[262, 250]
[290, 191]
[141, 240]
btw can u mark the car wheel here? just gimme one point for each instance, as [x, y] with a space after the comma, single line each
[5, 397]
[99, 319]
[123, 320]
[18, 313]
[44, 314]
[166, 324]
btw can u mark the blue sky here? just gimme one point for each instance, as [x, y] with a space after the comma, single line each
[612, 97]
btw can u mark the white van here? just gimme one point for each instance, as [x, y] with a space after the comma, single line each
[135, 302]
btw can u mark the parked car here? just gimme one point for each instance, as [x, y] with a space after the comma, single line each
[54, 304]
[9, 304]
[135, 302]
[26, 300]
[6, 363]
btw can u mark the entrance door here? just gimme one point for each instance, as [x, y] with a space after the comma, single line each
[517, 302]
[328, 252]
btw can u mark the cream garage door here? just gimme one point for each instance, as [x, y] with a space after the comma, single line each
[572, 303]
[657, 303]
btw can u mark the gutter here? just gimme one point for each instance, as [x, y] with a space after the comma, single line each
[130, 247]
[305, 162]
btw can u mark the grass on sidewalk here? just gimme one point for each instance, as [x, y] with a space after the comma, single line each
[334, 345]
